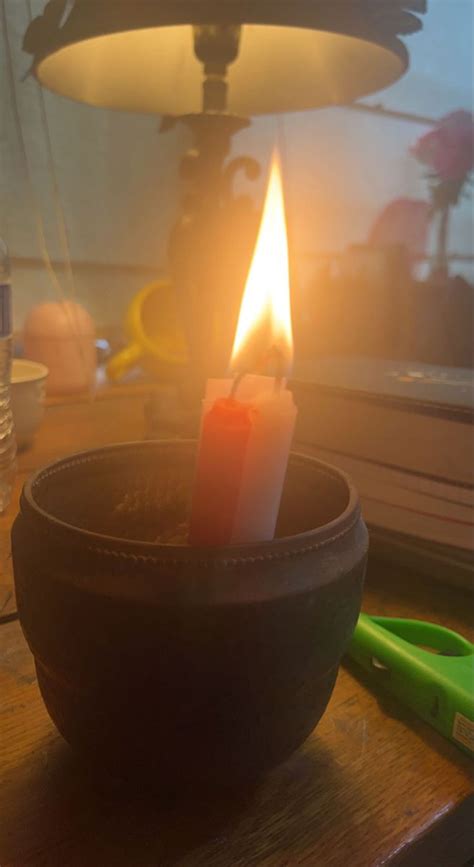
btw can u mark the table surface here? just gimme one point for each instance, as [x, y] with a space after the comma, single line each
[372, 785]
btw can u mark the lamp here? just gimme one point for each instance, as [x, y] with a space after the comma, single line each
[212, 64]
[144, 55]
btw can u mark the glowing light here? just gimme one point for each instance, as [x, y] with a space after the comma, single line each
[264, 323]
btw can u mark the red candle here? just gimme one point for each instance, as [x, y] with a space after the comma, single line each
[225, 433]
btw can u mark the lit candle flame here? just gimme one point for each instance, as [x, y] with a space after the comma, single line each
[264, 325]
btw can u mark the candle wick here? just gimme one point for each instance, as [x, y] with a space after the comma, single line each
[235, 384]
[276, 357]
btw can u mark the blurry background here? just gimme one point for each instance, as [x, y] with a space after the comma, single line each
[115, 177]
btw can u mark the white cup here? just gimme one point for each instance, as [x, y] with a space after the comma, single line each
[27, 395]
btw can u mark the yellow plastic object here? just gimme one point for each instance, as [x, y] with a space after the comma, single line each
[156, 339]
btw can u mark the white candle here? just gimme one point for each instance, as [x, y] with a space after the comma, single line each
[241, 470]
[267, 453]
[265, 465]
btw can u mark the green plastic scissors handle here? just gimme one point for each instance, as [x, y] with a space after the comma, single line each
[438, 686]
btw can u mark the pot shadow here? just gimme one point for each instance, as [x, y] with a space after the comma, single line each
[60, 810]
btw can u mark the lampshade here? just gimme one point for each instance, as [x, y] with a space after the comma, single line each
[290, 55]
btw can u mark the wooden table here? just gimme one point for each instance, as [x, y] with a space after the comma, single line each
[373, 785]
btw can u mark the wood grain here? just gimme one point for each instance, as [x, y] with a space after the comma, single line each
[373, 785]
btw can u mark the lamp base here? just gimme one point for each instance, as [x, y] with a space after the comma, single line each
[211, 243]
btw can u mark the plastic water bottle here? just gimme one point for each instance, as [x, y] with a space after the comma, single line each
[7, 435]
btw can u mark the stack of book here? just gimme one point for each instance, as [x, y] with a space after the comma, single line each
[404, 433]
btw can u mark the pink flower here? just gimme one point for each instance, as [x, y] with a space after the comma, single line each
[448, 149]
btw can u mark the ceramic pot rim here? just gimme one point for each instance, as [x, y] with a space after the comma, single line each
[277, 548]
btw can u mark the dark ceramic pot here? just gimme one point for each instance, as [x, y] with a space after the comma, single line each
[177, 662]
